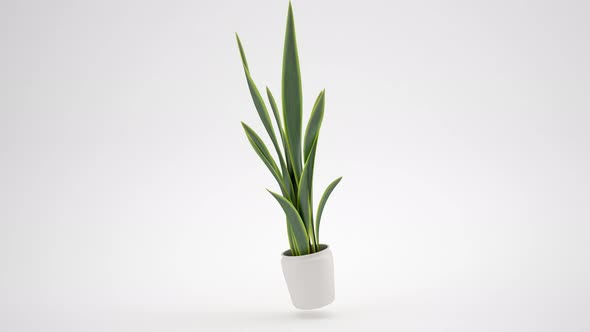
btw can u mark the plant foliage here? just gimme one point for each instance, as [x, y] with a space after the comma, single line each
[296, 151]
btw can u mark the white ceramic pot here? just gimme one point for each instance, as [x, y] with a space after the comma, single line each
[310, 278]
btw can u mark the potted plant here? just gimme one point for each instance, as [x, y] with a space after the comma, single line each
[308, 265]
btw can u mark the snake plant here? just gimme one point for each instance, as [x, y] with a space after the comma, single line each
[295, 152]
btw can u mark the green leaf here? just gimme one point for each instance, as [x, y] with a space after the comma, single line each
[300, 238]
[275, 112]
[289, 182]
[261, 108]
[242, 53]
[323, 201]
[264, 154]
[294, 250]
[315, 122]
[305, 205]
[292, 95]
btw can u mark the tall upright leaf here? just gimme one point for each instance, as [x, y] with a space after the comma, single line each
[291, 240]
[277, 115]
[305, 204]
[294, 248]
[300, 238]
[292, 94]
[323, 201]
[290, 182]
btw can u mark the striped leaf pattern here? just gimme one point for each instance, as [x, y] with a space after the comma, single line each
[297, 149]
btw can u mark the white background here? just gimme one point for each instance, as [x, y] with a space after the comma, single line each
[130, 199]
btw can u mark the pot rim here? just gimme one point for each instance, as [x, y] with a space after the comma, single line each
[324, 248]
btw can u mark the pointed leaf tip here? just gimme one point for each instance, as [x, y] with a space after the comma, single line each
[301, 240]
[322, 204]
[292, 96]
[313, 125]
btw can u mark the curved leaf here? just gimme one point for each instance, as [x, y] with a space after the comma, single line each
[256, 97]
[300, 238]
[313, 126]
[323, 201]
[261, 107]
[264, 154]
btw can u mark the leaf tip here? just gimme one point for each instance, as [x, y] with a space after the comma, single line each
[272, 193]
[290, 12]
